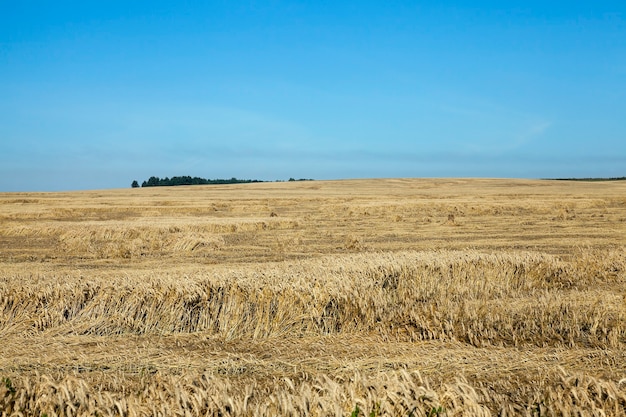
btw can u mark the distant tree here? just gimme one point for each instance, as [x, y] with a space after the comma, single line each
[135, 184]
[153, 182]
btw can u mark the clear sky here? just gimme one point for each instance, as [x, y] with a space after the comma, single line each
[98, 94]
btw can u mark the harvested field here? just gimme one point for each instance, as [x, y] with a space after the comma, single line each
[393, 297]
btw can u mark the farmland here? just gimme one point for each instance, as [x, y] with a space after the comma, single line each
[393, 297]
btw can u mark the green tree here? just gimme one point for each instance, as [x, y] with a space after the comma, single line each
[135, 184]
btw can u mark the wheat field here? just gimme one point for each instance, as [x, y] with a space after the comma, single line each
[389, 297]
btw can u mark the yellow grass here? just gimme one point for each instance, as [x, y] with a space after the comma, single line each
[431, 297]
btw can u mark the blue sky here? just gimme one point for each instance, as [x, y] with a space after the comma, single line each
[97, 94]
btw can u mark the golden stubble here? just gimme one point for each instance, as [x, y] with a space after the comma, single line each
[436, 297]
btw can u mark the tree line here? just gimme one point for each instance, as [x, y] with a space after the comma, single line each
[592, 179]
[187, 180]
